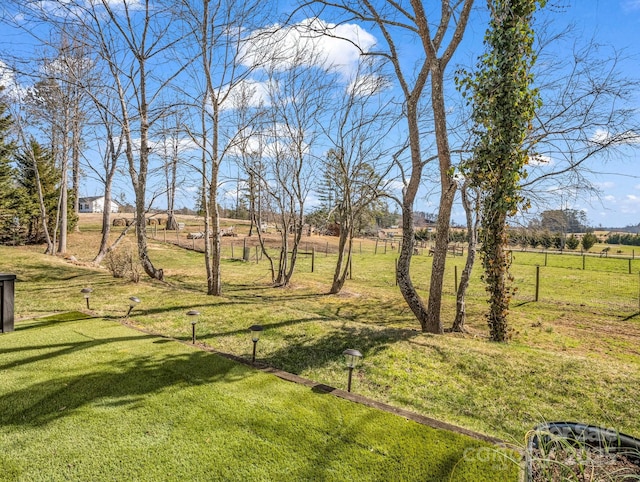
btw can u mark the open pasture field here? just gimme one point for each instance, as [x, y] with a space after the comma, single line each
[574, 354]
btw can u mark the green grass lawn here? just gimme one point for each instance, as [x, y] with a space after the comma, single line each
[574, 354]
[91, 399]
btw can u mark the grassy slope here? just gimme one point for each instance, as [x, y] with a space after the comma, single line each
[574, 354]
[89, 399]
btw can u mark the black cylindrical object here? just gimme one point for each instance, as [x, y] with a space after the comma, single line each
[7, 290]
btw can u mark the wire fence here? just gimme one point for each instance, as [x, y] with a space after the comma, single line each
[606, 284]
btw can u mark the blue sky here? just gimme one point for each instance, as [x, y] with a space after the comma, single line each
[613, 22]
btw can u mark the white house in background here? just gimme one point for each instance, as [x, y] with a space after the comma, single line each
[95, 204]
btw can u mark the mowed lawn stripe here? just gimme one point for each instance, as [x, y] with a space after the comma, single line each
[90, 399]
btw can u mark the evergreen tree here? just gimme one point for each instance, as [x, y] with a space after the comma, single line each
[7, 187]
[27, 189]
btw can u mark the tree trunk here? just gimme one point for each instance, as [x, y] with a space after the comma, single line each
[215, 284]
[342, 264]
[498, 280]
[472, 235]
[403, 274]
[447, 196]
[43, 210]
[106, 227]
[100, 256]
[64, 209]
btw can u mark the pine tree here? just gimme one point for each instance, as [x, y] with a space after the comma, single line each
[7, 187]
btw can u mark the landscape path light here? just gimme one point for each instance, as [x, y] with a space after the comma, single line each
[133, 301]
[87, 293]
[193, 314]
[352, 357]
[255, 336]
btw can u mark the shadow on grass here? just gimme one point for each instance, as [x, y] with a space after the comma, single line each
[108, 379]
[50, 320]
[301, 355]
[35, 273]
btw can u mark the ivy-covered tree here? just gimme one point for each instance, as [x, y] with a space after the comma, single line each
[503, 107]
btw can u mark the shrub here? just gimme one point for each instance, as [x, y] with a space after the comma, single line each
[572, 242]
[123, 263]
[588, 240]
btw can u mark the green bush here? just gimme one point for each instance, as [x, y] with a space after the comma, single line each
[572, 242]
[588, 240]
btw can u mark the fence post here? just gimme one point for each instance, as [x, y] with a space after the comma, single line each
[545, 259]
[257, 259]
[313, 257]
[350, 267]
[232, 250]
[537, 282]
[584, 257]
[375, 251]
[629, 265]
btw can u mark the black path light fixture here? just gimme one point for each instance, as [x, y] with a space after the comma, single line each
[133, 301]
[256, 330]
[87, 294]
[193, 314]
[352, 357]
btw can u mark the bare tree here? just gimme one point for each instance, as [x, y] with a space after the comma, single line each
[356, 167]
[108, 125]
[296, 103]
[470, 198]
[402, 22]
[55, 103]
[169, 145]
[136, 44]
[218, 29]
[18, 108]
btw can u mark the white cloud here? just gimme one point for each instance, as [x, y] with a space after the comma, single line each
[8, 80]
[605, 184]
[604, 137]
[366, 85]
[310, 42]
[247, 93]
[540, 160]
